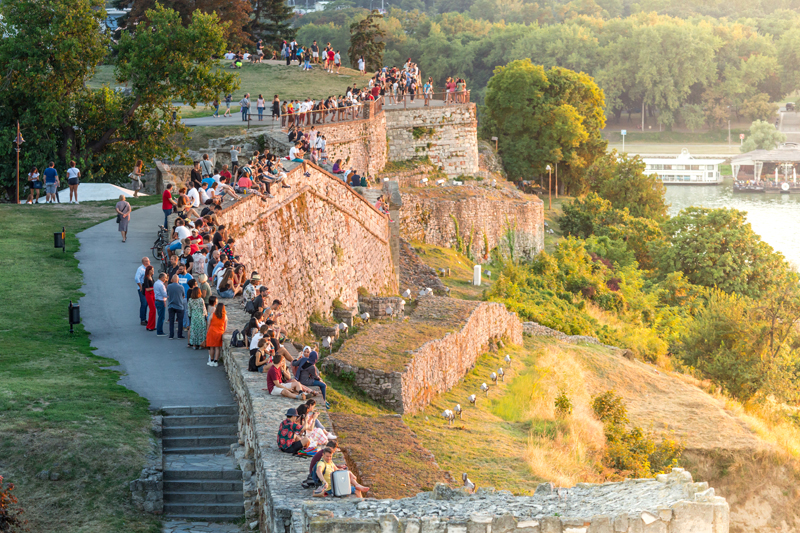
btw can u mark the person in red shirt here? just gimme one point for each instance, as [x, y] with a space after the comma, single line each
[331, 55]
[276, 386]
[245, 182]
[225, 173]
[167, 203]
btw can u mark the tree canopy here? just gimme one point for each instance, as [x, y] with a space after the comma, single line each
[544, 117]
[763, 136]
[52, 48]
[366, 39]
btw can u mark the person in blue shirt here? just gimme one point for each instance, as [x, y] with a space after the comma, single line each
[51, 183]
[176, 295]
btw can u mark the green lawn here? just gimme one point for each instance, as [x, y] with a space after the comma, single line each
[288, 82]
[59, 410]
[702, 137]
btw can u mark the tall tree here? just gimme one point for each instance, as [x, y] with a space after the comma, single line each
[52, 48]
[272, 21]
[620, 179]
[763, 136]
[234, 13]
[366, 39]
[542, 118]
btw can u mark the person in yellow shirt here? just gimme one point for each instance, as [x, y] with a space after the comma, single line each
[325, 468]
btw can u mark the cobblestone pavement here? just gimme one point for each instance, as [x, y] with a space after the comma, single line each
[180, 526]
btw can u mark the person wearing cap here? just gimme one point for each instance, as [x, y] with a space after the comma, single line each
[289, 439]
[250, 290]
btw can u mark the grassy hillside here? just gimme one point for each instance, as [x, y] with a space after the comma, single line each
[60, 410]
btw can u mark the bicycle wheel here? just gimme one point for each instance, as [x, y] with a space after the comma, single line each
[157, 250]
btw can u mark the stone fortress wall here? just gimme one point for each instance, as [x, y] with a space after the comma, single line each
[483, 217]
[313, 243]
[446, 135]
[438, 364]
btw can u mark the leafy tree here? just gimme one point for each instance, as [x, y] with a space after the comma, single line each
[587, 216]
[57, 46]
[693, 116]
[544, 117]
[271, 20]
[718, 248]
[759, 107]
[366, 39]
[789, 60]
[234, 13]
[763, 136]
[620, 179]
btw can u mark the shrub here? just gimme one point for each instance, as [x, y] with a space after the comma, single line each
[563, 404]
[10, 513]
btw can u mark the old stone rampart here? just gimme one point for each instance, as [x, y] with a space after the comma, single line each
[442, 215]
[447, 135]
[313, 243]
[361, 143]
[671, 503]
[410, 382]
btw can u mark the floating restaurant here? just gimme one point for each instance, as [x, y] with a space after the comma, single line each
[684, 169]
[768, 171]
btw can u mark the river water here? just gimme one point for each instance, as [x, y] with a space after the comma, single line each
[775, 217]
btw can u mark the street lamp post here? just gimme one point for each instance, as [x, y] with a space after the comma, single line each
[18, 141]
[549, 188]
[556, 179]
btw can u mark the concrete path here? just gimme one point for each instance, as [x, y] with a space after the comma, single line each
[164, 371]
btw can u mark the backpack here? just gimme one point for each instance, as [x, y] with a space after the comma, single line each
[249, 307]
[251, 364]
[237, 339]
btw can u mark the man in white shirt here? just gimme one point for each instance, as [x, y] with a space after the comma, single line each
[160, 290]
[181, 230]
[194, 196]
[139, 279]
[216, 177]
[203, 194]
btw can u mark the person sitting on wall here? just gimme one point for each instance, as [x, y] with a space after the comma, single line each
[355, 179]
[337, 167]
[288, 389]
[325, 468]
[289, 439]
[296, 155]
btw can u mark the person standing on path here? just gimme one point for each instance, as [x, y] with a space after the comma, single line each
[136, 178]
[51, 183]
[139, 279]
[175, 297]
[245, 106]
[276, 108]
[216, 328]
[235, 158]
[167, 204]
[35, 184]
[123, 209]
[160, 291]
[197, 317]
[260, 105]
[73, 179]
[228, 100]
[149, 295]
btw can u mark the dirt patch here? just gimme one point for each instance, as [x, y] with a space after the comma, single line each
[388, 346]
[386, 455]
[416, 275]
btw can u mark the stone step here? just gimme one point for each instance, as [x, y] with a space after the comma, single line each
[232, 496]
[188, 431]
[199, 420]
[199, 441]
[201, 410]
[202, 485]
[210, 450]
[230, 510]
[202, 475]
[205, 518]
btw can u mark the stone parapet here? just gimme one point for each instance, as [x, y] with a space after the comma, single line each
[361, 144]
[425, 371]
[447, 135]
[671, 504]
[313, 243]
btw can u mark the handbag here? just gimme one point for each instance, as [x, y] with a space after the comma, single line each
[119, 218]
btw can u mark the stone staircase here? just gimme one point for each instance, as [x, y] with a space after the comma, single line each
[201, 482]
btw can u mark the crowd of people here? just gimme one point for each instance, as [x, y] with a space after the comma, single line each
[204, 271]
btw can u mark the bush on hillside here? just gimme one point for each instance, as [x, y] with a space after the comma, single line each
[10, 513]
[632, 452]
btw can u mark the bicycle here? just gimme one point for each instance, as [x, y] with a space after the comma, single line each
[161, 241]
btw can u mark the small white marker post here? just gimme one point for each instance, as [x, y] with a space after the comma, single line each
[476, 276]
[624, 133]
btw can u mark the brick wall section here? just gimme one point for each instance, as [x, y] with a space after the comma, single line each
[427, 216]
[437, 365]
[313, 243]
[452, 145]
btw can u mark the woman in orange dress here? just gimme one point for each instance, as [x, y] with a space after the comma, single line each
[216, 328]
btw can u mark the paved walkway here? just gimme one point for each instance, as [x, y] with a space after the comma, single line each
[165, 372]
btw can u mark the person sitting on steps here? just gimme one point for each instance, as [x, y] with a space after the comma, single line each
[325, 468]
[276, 386]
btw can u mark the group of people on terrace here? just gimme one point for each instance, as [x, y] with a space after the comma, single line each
[203, 271]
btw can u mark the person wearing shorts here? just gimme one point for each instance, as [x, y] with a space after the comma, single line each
[276, 386]
[315, 53]
[35, 184]
[73, 179]
[51, 183]
[337, 61]
[228, 100]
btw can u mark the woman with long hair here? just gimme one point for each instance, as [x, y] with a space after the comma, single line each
[197, 316]
[216, 328]
[35, 184]
[150, 296]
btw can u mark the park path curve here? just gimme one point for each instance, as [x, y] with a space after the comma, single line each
[164, 371]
